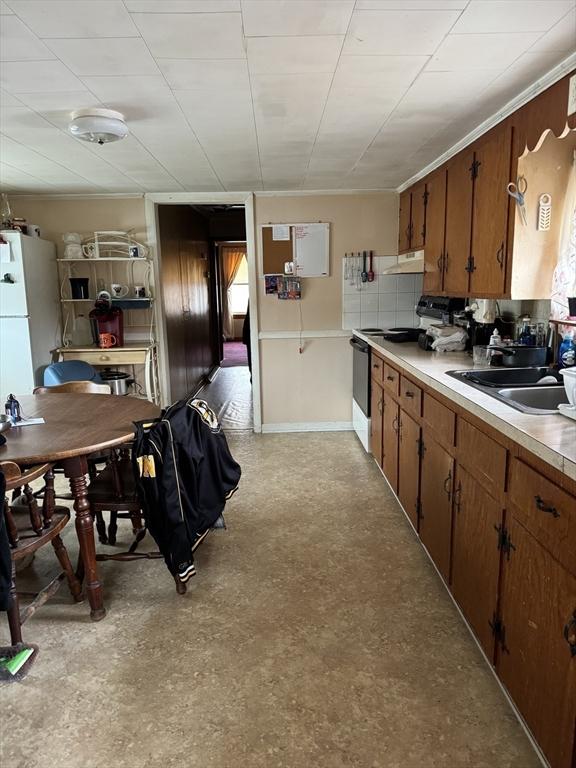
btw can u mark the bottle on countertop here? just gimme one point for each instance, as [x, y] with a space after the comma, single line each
[13, 410]
[526, 336]
[567, 351]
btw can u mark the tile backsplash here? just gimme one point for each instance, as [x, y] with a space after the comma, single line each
[388, 301]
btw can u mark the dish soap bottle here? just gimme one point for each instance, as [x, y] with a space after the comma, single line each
[567, 351]
[495, 356]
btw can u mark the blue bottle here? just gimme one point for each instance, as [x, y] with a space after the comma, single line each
[567, 351]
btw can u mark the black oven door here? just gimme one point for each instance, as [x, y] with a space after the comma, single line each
[361, 374]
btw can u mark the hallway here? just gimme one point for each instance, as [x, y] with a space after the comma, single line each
[316, 635]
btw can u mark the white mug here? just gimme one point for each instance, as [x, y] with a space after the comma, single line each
[90, 251]
[118, 291]
[139, 292]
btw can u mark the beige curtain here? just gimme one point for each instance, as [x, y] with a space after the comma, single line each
[231, 259]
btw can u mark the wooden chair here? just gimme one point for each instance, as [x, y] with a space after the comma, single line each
[76, 388]
[30, 528]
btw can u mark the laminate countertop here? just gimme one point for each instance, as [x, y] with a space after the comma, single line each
[551, 437]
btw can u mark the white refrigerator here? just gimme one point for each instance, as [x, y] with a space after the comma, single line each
[29, 312]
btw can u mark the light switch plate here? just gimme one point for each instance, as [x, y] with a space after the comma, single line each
[572, 95]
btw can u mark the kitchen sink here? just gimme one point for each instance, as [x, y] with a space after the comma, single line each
[537, 400]
[509, 377]
[519, 388]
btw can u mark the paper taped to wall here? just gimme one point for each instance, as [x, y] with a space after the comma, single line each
[280, 232]
[312, 250]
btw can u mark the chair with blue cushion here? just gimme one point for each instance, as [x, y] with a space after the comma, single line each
[70, 370]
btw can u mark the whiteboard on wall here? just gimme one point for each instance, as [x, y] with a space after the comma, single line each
[311, 250]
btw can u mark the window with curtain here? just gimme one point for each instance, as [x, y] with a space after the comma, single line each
[239, 290]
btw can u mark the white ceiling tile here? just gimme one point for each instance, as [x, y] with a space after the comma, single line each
[58, 100]
[183, 6]
[191, 74]
[447, 92]
[192, 35]
[490, 51]
[293, 55]
[264, 18]
[397, 32]
[411, 5]
[17, 43]
[510, 16]
[523, 73]
[128, 87]
[81, 18]
[561, 37]
[34, 76]
[4, 10]
[8, 100]
[105, 56]
[380, 71]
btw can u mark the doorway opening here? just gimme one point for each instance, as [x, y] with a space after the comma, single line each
[205, 285]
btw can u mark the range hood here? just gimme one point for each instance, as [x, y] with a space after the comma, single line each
[408, 264]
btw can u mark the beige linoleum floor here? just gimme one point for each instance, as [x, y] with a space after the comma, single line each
[315, 635]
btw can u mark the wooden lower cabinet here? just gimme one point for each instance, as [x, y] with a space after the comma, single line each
[376, 412]
[436, 482]
[390, 427]
[536, 658]
[409, 466]
[476, 556]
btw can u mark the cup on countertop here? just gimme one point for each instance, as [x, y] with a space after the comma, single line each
[107, 340]
[119, 291]
[139, 292]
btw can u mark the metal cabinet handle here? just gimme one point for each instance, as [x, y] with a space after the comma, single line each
[380, 406]
[390, 378]
[458, 497]
[447, 484]
[439, 261]
[570, 634]
[543, 507]
[409, 393]
[446, 262]
[395, 424]
[500, 256]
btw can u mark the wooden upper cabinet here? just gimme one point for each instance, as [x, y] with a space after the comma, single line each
[405, 221]
[475, 556]
[537, 651]
[490, 219]
[436, 485]
[418, 216]
[458, 223]
[435, 224]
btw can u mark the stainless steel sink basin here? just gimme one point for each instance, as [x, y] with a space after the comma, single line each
[537, 400]
[518, 387]
[508, 377]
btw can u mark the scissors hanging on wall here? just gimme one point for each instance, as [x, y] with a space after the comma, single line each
[518, 192]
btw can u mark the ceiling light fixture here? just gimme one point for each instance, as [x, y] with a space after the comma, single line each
[99, 126]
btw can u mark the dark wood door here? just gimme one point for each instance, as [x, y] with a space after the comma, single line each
[436, 481]
[390, 427]
[458, 224]
[409, 466]
[435, 225]
[476, 556]
[418, 216]
[537, 663]
[376, 417]
[490, 213]
[405, 219]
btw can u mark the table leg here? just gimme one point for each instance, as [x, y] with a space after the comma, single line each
[75, 470]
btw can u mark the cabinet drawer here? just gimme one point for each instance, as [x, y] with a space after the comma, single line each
[547, 511]
[410, 396]
[482, 456]
[440, 419]
[108, 356]
[377, 368]
[391, 379]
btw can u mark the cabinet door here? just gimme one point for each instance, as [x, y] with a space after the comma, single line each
[435, 222]
[538, 660]
[475, 556]
[418, 217]
[390, 428]
[458, 224]
[376, 416]
[409, 466]
[405, 219]
[490, 214]
[437, 476]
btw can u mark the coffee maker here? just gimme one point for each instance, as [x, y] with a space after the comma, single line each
[106, 318]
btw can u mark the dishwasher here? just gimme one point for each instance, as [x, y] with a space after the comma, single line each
[361, 390]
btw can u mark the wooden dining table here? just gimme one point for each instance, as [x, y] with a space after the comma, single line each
[74, 427]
